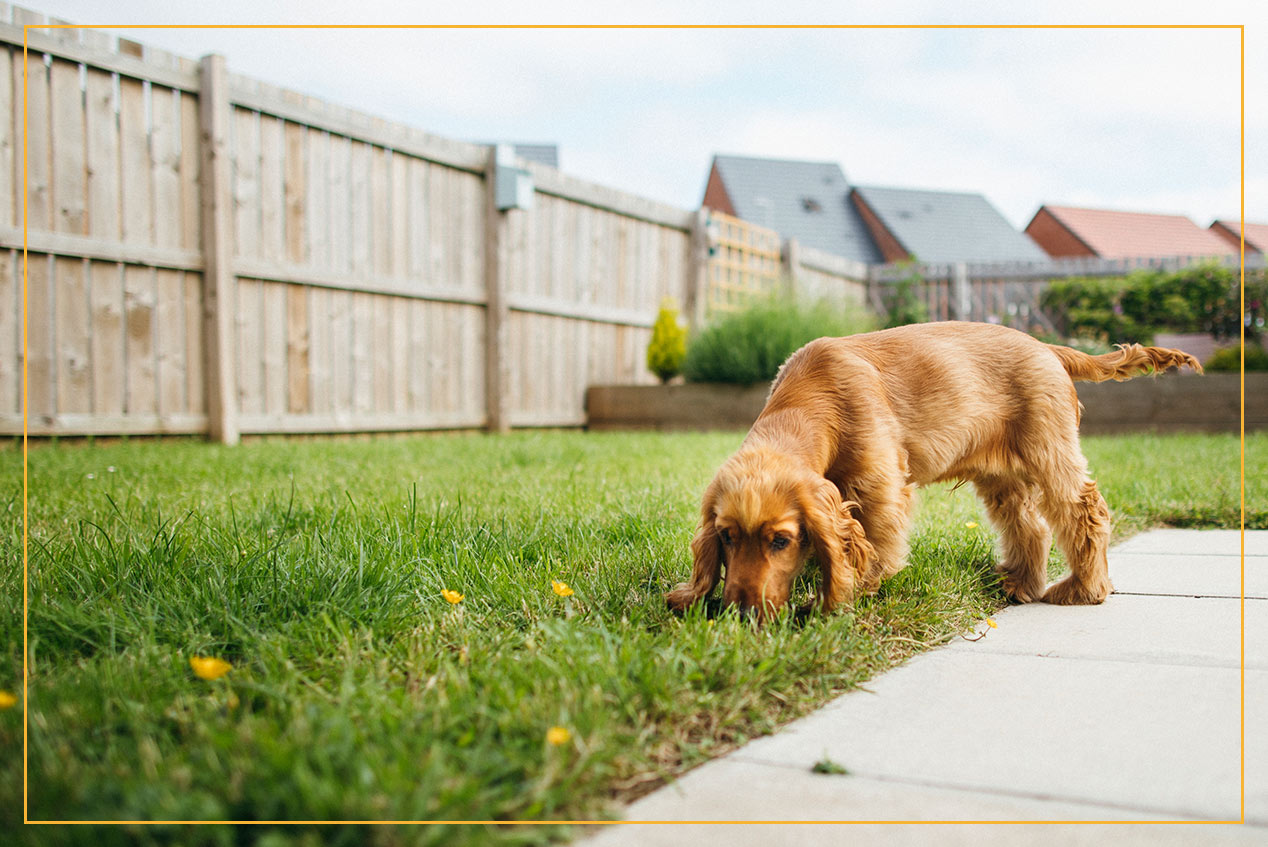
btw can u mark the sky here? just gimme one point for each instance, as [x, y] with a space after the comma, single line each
[1131, 119]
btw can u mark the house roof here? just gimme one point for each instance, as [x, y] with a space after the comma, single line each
[948, 226]
[808, 201]
[1256, 234]
[1128, 235]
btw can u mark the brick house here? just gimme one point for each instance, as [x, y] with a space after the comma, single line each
[1067, 231]
[1230, 231]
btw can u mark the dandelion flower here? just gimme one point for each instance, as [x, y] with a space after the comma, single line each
[561, 588]
[557, 735]
[971, 524]
[452, 596]
[208, 667]
[991, 623]
[7, 700]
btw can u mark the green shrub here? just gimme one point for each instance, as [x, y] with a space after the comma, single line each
[1200, 298]
[749, 345]
[903, 304]
[668, 347]
[1230, 359]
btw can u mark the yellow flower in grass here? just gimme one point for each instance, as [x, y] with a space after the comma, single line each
[7, 700]
[557, 735]
[208, 667]
[561, 588]
[452, 596]
[971, 524]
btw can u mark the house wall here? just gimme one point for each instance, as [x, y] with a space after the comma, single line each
[715, 196]
[1053, 236]
[891, 248]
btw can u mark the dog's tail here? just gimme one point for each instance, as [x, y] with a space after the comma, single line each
[1127, 361]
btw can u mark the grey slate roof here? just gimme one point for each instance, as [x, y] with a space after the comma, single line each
[947, 226]
[808, 201]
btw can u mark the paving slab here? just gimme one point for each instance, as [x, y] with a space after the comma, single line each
[1083, 730]
[1189, 574]
[676, 834]
[1130, 711]
[1200, 542]
[1133, 628]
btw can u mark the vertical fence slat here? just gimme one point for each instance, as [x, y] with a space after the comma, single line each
[10, 341]
[165, 154]
[38, 143]
[74, 374]
[104, 218]
[138, 320]
[171, 341]
[67, 135]
[134, 157]
[8, 142]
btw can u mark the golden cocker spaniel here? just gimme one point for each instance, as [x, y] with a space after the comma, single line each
[851, 428]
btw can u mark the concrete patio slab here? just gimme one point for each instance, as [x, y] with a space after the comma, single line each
[1201, 542]
[1084, 730]
[1133, 628]
[1189, 575]
[1127, 711]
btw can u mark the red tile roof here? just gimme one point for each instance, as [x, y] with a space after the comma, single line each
[1256, 235]
[1128, 235]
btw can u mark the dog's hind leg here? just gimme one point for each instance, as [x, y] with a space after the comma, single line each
[1081, 522]
[1024, 535]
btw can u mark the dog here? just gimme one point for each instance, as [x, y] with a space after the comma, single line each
[853, 426]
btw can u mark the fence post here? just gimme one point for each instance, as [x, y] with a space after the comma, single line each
[219, 283]
[792, 267]
[961, 296]
[697, 283]
[497, 377]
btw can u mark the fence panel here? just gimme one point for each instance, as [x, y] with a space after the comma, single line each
[113, 300]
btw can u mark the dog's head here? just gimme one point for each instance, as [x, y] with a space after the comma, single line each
[761, 518]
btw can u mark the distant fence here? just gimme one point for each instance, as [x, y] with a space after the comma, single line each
[1009, 292]
[209, 254]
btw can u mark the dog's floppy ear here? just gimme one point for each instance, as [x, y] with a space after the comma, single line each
[706, 554]
[841, 548]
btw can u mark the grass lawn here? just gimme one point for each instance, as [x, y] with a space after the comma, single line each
[359, 692]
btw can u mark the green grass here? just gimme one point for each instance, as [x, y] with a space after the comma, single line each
[358, 692]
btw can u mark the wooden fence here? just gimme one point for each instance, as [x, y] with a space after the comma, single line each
[209, 254]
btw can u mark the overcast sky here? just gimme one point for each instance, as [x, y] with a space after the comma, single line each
[1137, 120]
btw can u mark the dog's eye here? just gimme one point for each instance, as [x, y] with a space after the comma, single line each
[725, 535]
[779, 542]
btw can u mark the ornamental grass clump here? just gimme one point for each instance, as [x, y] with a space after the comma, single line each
[668, 346]
[748, 346]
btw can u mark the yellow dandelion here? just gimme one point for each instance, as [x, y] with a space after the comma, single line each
[991, 623]
[452, 596]
[971, 524]
[557, 735]
[7, 700]
[208, 667]
[561, 588]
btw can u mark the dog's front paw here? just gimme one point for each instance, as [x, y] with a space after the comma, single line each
[1073, 592]
[1020, 589]
[681, 597]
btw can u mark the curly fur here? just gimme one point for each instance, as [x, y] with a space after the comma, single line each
[854, 425]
